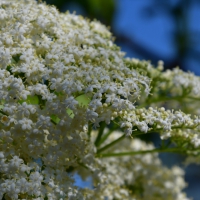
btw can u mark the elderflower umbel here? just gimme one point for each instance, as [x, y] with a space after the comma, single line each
[61, 76]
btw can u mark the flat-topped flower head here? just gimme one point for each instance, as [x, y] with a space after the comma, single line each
[61, 76]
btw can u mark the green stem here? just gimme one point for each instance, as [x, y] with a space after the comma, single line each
[89, 130]
[193, 98]
[82, 165]
[136, 133]
[105, 137]
[3, 113]
[160, 99]
[131, 153]
[42, 102]
[102, 127]
[111, 144]
[165, 98]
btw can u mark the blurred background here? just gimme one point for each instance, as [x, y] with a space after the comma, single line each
[167, 30]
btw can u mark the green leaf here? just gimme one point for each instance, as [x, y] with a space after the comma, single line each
[83, 100]
[34, 100]
[54, 119]
[70, 113]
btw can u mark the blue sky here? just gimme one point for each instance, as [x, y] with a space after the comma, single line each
[156, 33]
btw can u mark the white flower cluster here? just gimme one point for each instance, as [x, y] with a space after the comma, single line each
[48, 60]
[171, 88]
[166, 122]
[186, 81]
[183, 89]
[61, 76]
[20, 183]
